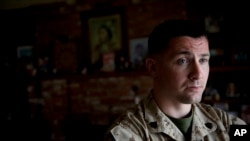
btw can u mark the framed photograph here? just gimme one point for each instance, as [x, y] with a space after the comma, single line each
[104, 34]
[24, 51]
[138, 51]
[213, 23]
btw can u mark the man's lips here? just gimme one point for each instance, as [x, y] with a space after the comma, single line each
[194, 88]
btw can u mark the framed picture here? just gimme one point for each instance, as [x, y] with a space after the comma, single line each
[213, 23]
[138, 51]
[104, 34]
[24, 51]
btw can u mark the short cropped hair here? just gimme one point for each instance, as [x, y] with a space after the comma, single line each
[161, 35]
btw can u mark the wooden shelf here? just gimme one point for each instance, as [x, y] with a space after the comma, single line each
[235, 100]
[98, 75]
[229, 68]
[133, 73]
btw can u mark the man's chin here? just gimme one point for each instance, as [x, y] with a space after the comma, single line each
[192, 99]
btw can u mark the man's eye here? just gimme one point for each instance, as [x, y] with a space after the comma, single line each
[203, 60]
[182, 61]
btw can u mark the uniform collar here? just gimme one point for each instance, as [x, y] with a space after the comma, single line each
[203, 123]
[158, 122]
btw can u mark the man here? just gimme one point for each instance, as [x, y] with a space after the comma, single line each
[178, 60]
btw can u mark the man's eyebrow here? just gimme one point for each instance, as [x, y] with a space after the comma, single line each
[189, 53]
[184, 52]
[205, 55]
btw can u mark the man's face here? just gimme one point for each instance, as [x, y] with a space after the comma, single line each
[183, 69]
[103, 35]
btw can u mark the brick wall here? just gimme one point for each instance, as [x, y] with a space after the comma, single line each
[62, 24]
[141, 18]
[99, 100]
[96, 99]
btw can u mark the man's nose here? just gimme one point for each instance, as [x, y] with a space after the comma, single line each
[195, 71]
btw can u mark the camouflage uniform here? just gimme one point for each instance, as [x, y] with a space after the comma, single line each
[146, 122]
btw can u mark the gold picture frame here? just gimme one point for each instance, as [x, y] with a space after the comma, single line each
[104, 33]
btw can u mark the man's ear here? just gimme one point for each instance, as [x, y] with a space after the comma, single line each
[151, 65]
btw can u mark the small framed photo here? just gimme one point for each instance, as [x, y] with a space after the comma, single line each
[104, 34]
[24, 51]
[213, 23]
[138, 51]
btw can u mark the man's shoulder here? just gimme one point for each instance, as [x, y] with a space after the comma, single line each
[205, 106]
[130, 122]
[210, 109]
[219, 114]
[130, 115]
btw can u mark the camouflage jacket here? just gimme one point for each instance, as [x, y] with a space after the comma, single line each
[146, 122]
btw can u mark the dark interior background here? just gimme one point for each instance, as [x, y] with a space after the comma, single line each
[70, 105]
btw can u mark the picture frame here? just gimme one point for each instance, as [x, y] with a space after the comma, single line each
[138, 51]
[25, 51]
[213, 23]
[104, 34]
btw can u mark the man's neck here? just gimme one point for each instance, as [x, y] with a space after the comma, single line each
[171, 107]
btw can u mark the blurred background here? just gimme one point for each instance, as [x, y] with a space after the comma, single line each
[63, 79]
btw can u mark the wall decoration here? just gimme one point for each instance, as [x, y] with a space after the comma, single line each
[104, 34]
[138, 51]
[24, 51]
